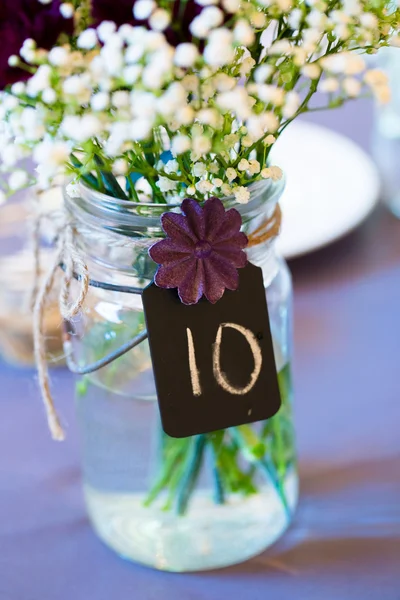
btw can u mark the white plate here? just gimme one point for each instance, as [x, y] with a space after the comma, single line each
[332, 186]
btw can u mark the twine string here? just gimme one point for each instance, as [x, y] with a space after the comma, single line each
[66, 253]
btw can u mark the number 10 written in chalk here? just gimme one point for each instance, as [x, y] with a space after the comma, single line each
[220, 377]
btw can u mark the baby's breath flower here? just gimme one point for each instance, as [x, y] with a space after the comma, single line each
[204, 186]
[254, 167]
[186, 55]
[165, 184]
[274, 173]
[120, 167]
[311, 70]
[172, 166]
[159, 19]
[180, 144]
[226, 189]
[17, 180]
[199, 169]
[243, 165]
[242, 195]
[230, 174]
[87, 39]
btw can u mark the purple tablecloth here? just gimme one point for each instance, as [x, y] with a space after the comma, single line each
[345, 540]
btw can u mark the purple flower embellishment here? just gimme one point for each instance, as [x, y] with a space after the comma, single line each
[202, 251]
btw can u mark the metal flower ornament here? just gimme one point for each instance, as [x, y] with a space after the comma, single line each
[202, 252]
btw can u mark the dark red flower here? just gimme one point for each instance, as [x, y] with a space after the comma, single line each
[202, 251]
[22, 19]
[121, 11]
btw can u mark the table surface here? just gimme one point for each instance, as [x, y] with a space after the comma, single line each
[345, 539]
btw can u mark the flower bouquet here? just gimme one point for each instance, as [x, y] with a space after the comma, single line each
[160, 118]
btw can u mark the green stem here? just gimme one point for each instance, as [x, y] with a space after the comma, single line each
[192, 472]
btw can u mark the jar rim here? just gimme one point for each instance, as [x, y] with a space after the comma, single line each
[105, 211]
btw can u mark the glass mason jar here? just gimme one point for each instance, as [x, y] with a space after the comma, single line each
[386, 132]
[174, 504]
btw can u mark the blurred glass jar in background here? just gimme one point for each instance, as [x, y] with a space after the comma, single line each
[386, 133]
[17, 272]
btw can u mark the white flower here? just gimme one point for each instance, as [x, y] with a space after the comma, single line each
[280, 47]
[217, 182]
[243, 165]
[72, 190]
[231, 6]
[165, 184]
[142, 9]
[351, 86]
[199, 169]
[131, 74]
[159, 19]
[230, 174]
[201, 145]
[185, 115]
[344, 62]
[87, 39]
[180, 144]
[100, 101]
[258, 19]
[186, 55]
[375, 77]
[204, 186]
[208, 116]
[121, 99]
[271, 94]
[254, 167]
[237, 101]
[13, 60]
[190, 190]
[269, 140]
[219, 49]
[241, 194]
[274, 173]
[51, 153]
[120, 167]
[226, 189]
[58, 56]
[140, 129]
[199, 28]
[49, 96]
[3, 197]
[369, 20]
[67, 10]
[246, 65]
[292, 104]
[18, 88]
[329, 85]
[223, 83]
[243, 33]
[39, 81]
[262, 73]
[212, 16]
[105, 30]
[17, 180]
[172, 166]
[311, 70]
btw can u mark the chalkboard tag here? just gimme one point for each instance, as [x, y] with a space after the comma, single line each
[213, 364]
